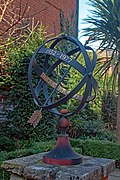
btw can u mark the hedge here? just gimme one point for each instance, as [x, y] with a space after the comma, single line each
[97, 148]
[102, 149]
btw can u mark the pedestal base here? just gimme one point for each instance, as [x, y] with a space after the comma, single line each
[62, 154]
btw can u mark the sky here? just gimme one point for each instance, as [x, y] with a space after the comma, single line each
[83, 12]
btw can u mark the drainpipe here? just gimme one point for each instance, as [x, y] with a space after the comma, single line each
[77, 16]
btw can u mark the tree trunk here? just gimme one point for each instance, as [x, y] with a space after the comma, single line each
[118, 105]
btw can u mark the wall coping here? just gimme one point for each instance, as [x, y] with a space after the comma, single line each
[34, 168]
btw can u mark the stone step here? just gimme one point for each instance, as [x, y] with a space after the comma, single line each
[115, 175]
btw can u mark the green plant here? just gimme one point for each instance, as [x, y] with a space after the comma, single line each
[97, 148]
[7, 144]
[12, 32]
[68, 26]
[88, 125]
[105, 21]
[20, 96]
[109, 110]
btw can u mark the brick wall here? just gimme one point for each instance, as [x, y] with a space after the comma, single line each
[48, 12]
[45, 11]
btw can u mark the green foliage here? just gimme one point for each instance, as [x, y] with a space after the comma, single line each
[88, 125]
[105, 21]
[105, 28]
[20, 96]
[68, 26]
[97, 148]
[7, 144]
[109, 110]
[23, 108]
[104, 24]
[17, 49]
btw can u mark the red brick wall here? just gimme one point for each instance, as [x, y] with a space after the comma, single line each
[48, 12]
[45, 11]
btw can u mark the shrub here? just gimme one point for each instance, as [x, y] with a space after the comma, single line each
[109, 109]
[7, 144]
[88, 125]
[97, 148]
[20, 96]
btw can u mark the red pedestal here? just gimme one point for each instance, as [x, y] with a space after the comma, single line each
[62, 154]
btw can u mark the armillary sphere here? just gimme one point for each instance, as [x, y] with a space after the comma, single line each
[52, 74]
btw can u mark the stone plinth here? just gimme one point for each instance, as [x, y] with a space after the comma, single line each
[32, 167]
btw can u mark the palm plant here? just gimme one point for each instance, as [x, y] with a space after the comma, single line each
[105, 27]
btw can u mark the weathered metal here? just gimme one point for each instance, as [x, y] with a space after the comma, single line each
[53, 87]
[63, 154]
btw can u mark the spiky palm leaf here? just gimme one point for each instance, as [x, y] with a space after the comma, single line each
[105, 27]
[105, 21]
